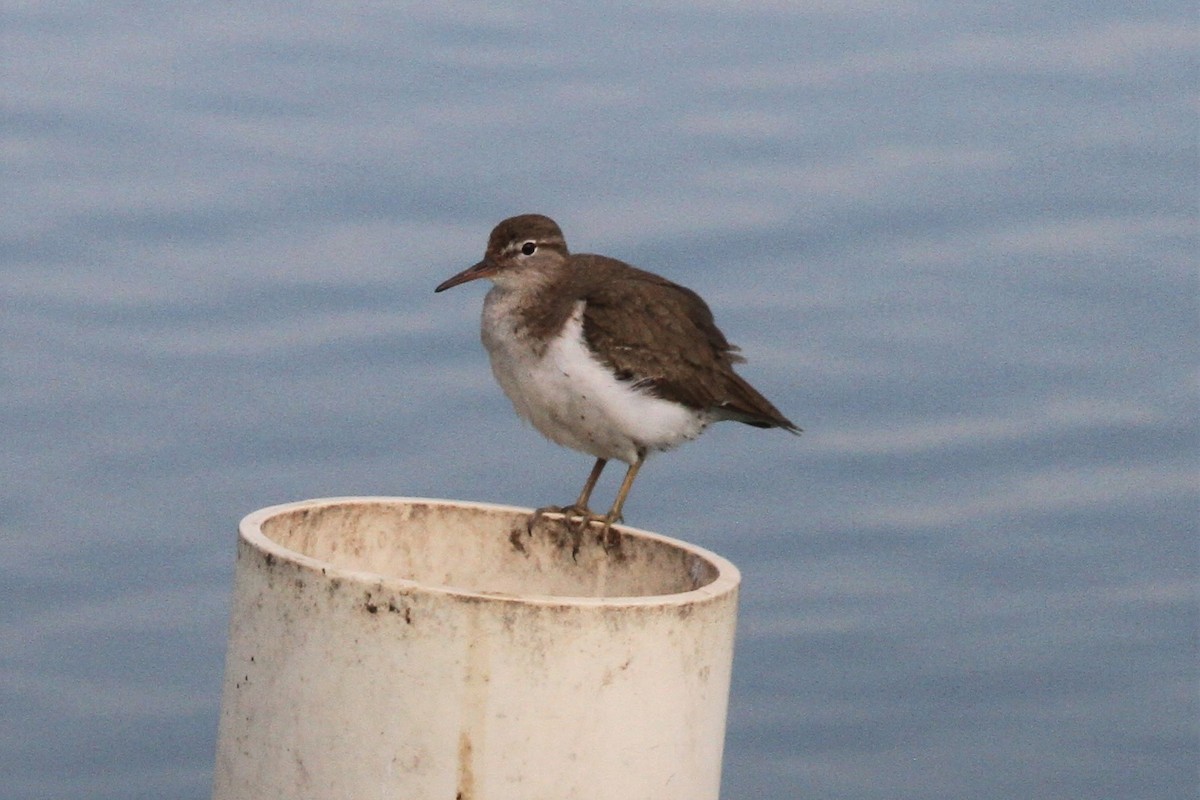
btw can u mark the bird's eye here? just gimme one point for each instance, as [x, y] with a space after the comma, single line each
[528, 248]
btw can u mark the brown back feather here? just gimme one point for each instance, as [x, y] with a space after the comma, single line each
[663, 336]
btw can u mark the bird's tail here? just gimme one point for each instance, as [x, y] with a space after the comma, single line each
[745, 404]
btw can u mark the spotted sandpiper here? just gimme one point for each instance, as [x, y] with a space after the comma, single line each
[603, 357]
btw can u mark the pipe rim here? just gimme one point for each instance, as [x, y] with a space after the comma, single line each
[726, 582]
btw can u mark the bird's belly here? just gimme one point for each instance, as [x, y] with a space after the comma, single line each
[572, 398]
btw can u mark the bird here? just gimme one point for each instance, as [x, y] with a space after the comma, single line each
[603, 357]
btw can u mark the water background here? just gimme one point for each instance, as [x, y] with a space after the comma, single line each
[956, 241]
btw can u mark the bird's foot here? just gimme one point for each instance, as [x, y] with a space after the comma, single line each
[576, 520]
[574, 516]
[609, 538]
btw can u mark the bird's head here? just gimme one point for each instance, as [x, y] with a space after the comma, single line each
[521, 251]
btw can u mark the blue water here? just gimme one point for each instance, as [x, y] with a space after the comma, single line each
[957, 243]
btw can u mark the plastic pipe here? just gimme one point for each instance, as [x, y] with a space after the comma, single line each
[419, 649]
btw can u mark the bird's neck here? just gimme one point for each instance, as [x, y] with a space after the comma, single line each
[534, 310]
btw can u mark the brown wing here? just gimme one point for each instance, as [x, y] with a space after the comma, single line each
[662, 335]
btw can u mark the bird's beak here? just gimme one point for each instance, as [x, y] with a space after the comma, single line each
[481, 270]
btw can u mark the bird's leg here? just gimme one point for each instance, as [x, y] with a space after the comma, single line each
[581, 505]
[579, 510]
[609, 537]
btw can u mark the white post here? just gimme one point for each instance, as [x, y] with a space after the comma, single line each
[420, 649]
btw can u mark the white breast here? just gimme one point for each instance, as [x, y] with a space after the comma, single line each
[571, 397]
